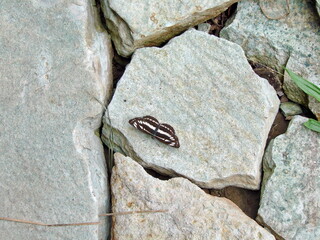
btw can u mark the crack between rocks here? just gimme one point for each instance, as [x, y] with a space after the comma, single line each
[100, 19]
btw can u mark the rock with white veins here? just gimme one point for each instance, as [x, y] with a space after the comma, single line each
[290, 203]
[191, 213]
[220, 109]
[140, 23]
[291, 41]
[53, 57]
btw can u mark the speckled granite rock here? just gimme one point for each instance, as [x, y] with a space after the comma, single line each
[291, 41]
[290, 203]
[191, 213]
[140, 23]
[221, 111]
[52, 166]
[293, 92]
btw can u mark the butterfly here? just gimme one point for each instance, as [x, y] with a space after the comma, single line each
[161, 131]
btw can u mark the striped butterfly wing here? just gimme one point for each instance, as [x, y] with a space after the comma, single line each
[147, 124]
[166, 134]
[167, 127]
[163, 132]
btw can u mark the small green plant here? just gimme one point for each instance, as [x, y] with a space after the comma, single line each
[310, 89]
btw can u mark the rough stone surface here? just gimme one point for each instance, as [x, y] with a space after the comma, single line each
[290, 109]
[191, 213]
[136, 24]
[291, 41]
[52, 166]
[221, 111]
[290, 203]
[306, 71]
[204, 27]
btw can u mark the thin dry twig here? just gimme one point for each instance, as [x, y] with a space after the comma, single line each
[132, 212]
[78, 224]
[47, 225]
[276, 18]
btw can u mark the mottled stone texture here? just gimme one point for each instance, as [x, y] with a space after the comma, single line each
[141, 23]
[221, 111]
[290, 109]
[53, 57]
[290, 203]
[291, 41]
[190, 213]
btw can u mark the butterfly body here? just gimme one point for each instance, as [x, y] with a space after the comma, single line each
[161, 131]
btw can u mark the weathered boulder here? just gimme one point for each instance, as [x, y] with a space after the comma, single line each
[190, 212]
[291, 41]
[53, 57]
[220, 109]
[140, 23]
[290, 203]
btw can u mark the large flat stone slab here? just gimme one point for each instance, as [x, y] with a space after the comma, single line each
[141, 23]
[220, 109]
[291, 41]
[290, 203]
[191, 213]
[53, 57]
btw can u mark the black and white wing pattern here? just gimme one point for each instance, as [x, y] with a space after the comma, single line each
[161, 131]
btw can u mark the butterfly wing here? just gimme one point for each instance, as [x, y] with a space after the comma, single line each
[167, 127]
[162, 132]
[151, 120]
[145, 124]
[166, 134]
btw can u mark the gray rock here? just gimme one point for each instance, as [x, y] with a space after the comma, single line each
[191, 213]
[220, 109]
[204, 27]
[291, 41]
[290, 109]
[290, 203]
[52, 166]
[143, 23]
[318, 6]
[293, 91]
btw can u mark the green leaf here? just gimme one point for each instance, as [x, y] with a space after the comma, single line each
[306, 86]
[313, 125]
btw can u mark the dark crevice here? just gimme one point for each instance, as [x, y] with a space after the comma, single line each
[157, 174]
[119, 64]
[116, 73]
[219, 22]
[101, 19]
[246, 200]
